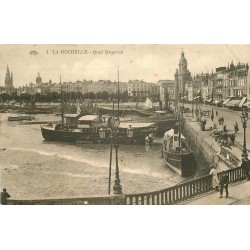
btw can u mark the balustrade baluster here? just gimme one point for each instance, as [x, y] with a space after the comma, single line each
[176, 193]
[200, 184]
[131, 200]
[170, 196]
[166, 197]
[153, 199]
[136, 200]
[148, 199]
[192, 188]
[185, 191]
[142, 199]
[158, 198]
[162, 198]
[195, 187]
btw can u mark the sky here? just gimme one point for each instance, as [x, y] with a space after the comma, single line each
[146, 62]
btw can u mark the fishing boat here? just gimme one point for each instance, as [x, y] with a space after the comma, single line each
[95, 129]
[176, 153]
[20, 118]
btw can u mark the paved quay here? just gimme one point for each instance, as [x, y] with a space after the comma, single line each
[239, 194]
[210, 139]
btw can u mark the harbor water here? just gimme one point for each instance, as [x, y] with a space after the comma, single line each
[32, 168]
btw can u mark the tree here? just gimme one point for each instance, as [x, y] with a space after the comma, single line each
[25, 97]
[105, 95]
[124, 96]
[91, 95]
[54, 96]
[5, 97]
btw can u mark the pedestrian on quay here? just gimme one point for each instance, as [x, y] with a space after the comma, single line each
[224, 183]
[212, 117]
[222, 120]
[246, 167]
[236, 128]
[215, 180]
[216, 113]
[232, 138]
[4, 197]
[225, 129]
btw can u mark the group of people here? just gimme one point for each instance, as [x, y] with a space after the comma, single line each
[221, 120]
[220, 185]
[148, 140]
[222, 136]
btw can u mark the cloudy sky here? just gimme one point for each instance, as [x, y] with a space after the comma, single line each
[148, 62]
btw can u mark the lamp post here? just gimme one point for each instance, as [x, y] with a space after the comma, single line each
[117, 187]
[244, 118]
[192, 106]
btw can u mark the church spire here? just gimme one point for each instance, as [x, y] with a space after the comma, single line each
[8, 72]
[8, 79]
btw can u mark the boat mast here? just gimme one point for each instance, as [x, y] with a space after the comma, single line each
[179, 125]
[62, 103]
[118, 95]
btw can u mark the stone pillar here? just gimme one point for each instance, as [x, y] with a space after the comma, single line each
[117, 199]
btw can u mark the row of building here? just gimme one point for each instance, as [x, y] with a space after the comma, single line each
[217, 87]
[137, 89]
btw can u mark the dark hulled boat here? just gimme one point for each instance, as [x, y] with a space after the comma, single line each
[177, 154]
[20, 118]
[92, 129]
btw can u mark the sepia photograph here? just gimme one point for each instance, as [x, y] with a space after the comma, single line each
[107, 103]
[120, 124]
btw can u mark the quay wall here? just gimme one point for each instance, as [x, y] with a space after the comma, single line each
[204, 152]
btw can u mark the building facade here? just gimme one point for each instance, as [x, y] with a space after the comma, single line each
[166, 91]
[140, 89]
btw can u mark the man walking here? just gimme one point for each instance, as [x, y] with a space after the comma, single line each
[232, 138]
[212, 116]
[224, 183]
[236, 128]
[4, 197]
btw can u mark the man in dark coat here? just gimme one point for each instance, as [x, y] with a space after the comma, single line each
[246, 167]
[224, 183]
[4, 197]
[232, 138]
[236, 128]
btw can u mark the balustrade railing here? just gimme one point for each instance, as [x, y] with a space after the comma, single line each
[181, 192]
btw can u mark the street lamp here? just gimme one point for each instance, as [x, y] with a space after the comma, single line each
[117, 187]
[244, 118]
[192, 106]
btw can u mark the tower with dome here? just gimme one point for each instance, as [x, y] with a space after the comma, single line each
[38, 79]
[182, 78]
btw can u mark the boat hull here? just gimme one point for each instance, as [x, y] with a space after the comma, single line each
[58, 135]
[50, 133]
[182, 163]
[19, 118]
